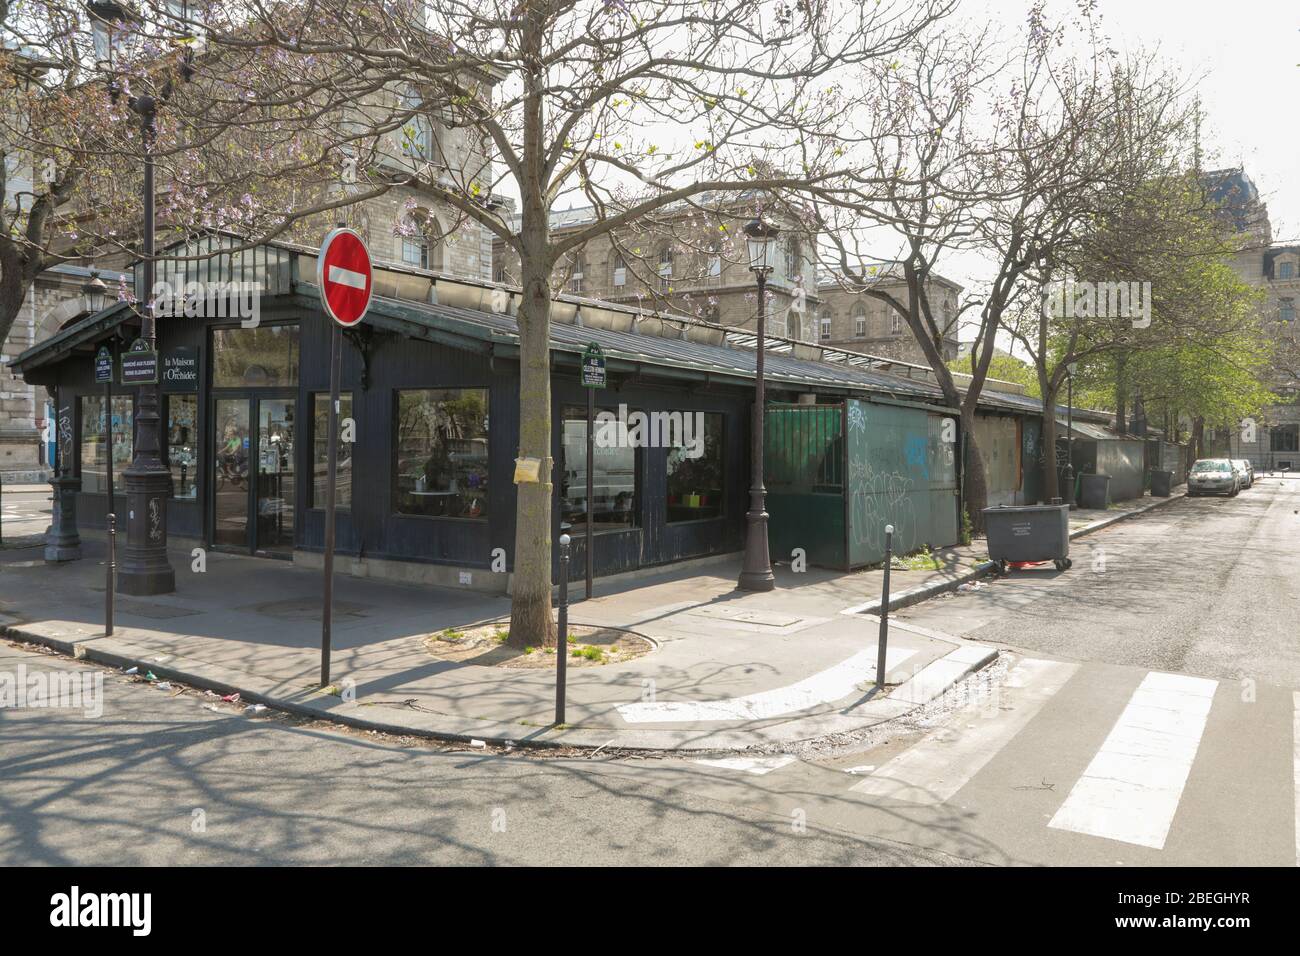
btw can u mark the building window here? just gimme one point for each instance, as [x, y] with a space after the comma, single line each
[1286, 270]
[1284, 438]
[615, 484]
[793, 325]
[320, 447]
[695, 469]
[417, 130]
[620, 271]
[420, 247]
[665, 267]
[264, 357]
[578, 273]
[442, 452]
[715, 261]
[860, 321]
[183, 445]
[793, 255]
[896, 324]
[95, 457]
[826, 326]
[1286, 310]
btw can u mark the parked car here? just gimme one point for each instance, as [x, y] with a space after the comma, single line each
[1246, 471]
[1213, 476]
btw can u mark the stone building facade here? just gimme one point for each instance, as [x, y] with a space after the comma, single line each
[856, 321]
[690, 262]
[1273, 440]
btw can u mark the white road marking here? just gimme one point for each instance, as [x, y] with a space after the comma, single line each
[754, 765]
[1295, 742]
[347, 277]
[946, 759]
[830, 685]
[1131, 789]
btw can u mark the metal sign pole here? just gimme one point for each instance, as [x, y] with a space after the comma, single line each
[591, 486]
[331, 480]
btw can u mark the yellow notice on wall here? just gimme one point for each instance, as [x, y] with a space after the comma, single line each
[528, 469]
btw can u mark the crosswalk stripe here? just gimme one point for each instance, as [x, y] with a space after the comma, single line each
[1131, 789]
[754, 765]
[945, 760]
[828, 686]
[1295, 743]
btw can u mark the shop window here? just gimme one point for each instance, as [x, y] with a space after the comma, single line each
[320, 429]
[695, 469]
[183, 445]
[266, 356]
[95, 456]
[442, 452]
[615, 481]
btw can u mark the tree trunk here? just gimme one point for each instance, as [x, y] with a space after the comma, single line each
[976, 483]
[1121, 395]
[14, 283]
[1051, 482]
[1194, 441]
[531, 624]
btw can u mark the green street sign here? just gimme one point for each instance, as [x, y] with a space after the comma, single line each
[139, 365]
[593, 367]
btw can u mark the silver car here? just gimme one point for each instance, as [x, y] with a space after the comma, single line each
[1213, 476]
[1247, 472]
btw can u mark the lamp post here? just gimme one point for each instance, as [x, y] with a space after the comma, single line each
[144, 568]
[756, 573]
[1069, 433]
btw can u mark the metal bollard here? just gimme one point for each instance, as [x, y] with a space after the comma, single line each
[562, 638]
[110, 570]
[883, 640]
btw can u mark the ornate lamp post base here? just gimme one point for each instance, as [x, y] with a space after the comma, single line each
[756, 574]
[62, 540]
[144, 568]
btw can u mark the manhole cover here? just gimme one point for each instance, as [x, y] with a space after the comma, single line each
[155, 612]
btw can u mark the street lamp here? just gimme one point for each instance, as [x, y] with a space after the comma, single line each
[144, 568]
[94, 294]
[756, 573]
[1069, 433]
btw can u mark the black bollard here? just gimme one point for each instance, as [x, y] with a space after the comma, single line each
[883, 641]
[562, 638]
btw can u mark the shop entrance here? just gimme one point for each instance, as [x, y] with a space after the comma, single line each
[252, 480]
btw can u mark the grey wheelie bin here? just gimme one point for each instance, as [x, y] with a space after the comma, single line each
[1094, 491]
[1161, 483]
[1028, 533]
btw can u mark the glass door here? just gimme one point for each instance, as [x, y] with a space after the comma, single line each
[253, 474]
[275, 475]
[230, 483]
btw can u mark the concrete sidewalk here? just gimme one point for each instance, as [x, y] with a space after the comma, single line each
[729, 669]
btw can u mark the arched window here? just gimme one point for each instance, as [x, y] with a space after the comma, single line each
[618, 270]
[859, 321]
[825, 323]
[419, 243]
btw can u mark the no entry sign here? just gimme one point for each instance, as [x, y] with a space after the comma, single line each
[344, 276]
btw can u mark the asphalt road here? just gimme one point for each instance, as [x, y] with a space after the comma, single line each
[127, 788]
[1145, 712]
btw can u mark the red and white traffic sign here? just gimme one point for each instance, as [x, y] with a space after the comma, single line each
[344, 277]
